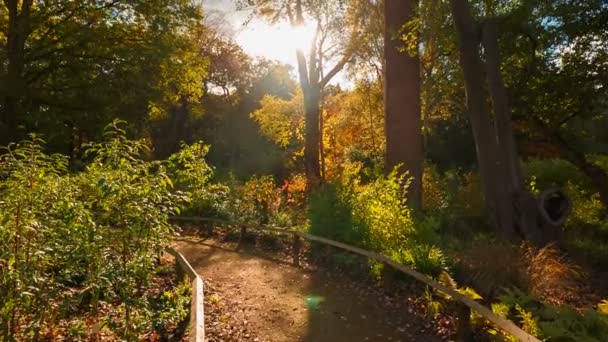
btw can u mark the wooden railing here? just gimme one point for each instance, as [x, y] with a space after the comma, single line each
[466, 304]
[197, 310]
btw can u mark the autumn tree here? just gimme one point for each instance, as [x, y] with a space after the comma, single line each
[334, 43]
[354, 129]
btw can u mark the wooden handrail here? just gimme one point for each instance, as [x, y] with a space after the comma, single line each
[197, 309]
[502, 323]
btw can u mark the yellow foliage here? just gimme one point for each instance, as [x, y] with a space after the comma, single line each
[602, 307]
[586, 208]
[433, 196]
[282, 121]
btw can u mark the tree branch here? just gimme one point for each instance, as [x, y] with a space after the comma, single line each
[336, 69]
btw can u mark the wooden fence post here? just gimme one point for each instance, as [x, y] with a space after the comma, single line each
[296, 249]
[179, 272]
[388, 276]
[463, 329]
[242, 237]
[327, 255]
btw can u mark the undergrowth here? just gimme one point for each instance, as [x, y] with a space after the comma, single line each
[70, 243]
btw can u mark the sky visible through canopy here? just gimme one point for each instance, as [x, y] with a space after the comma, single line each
[258, 38]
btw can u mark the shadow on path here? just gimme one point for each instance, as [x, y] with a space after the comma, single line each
[284, 303]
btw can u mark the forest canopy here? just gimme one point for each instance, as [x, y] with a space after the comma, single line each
[439, 133]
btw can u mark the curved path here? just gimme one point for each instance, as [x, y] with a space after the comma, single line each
[282, 303]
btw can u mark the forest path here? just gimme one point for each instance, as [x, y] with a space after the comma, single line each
[276, 301]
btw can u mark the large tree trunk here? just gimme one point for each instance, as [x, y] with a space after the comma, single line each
[312, 137]
[402, 99]
[17, 34]
[522, 210]
[498, 93]
[483, 130]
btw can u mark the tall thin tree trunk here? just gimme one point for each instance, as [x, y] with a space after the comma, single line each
[321, 143]
[17, 34]
[486, 144]
[512, 185]
[402, 99]
[312, 135]
[502, 111]
[372, 134]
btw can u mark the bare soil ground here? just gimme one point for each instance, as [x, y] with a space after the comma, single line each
[251, 297]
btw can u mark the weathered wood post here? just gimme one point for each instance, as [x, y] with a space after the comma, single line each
[388, 276]
[463, 329]
[242, 237]
[327, 255]
[296, 249]
[179, 271]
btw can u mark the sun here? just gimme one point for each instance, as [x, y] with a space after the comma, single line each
[278, 41]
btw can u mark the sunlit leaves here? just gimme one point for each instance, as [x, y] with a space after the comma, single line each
[100, 230]
[85, 62]
[282, 121]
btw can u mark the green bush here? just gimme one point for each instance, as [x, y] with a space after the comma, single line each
[190, 173]
[552, 323]
[423, 258]
[331, 215]
[375, 216]
[553, 172]
[69, 240]
[587, 209]
[171, 308]
[380, 207]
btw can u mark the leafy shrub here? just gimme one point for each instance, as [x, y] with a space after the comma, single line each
[587, 210]
[262, 196]
[294, 190]
[97, 233]
[434, 197]
[553, 323]
[42, 223]
[586, 207]
[423, 258]
[190, 173]
[375, 216]
[553, 172]
[172, 308]
[380, 207]
[331, 215]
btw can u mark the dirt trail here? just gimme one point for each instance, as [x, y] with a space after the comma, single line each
[279, 302]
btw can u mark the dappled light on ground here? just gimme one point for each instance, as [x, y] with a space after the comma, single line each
[279, 302]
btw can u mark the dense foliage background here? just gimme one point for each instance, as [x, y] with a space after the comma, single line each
[208, 130]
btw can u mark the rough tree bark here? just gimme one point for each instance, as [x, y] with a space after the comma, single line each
[402, 100]
[312, 85]
[523, 209]
[17, 34]
[486, 143]
[538, 219]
